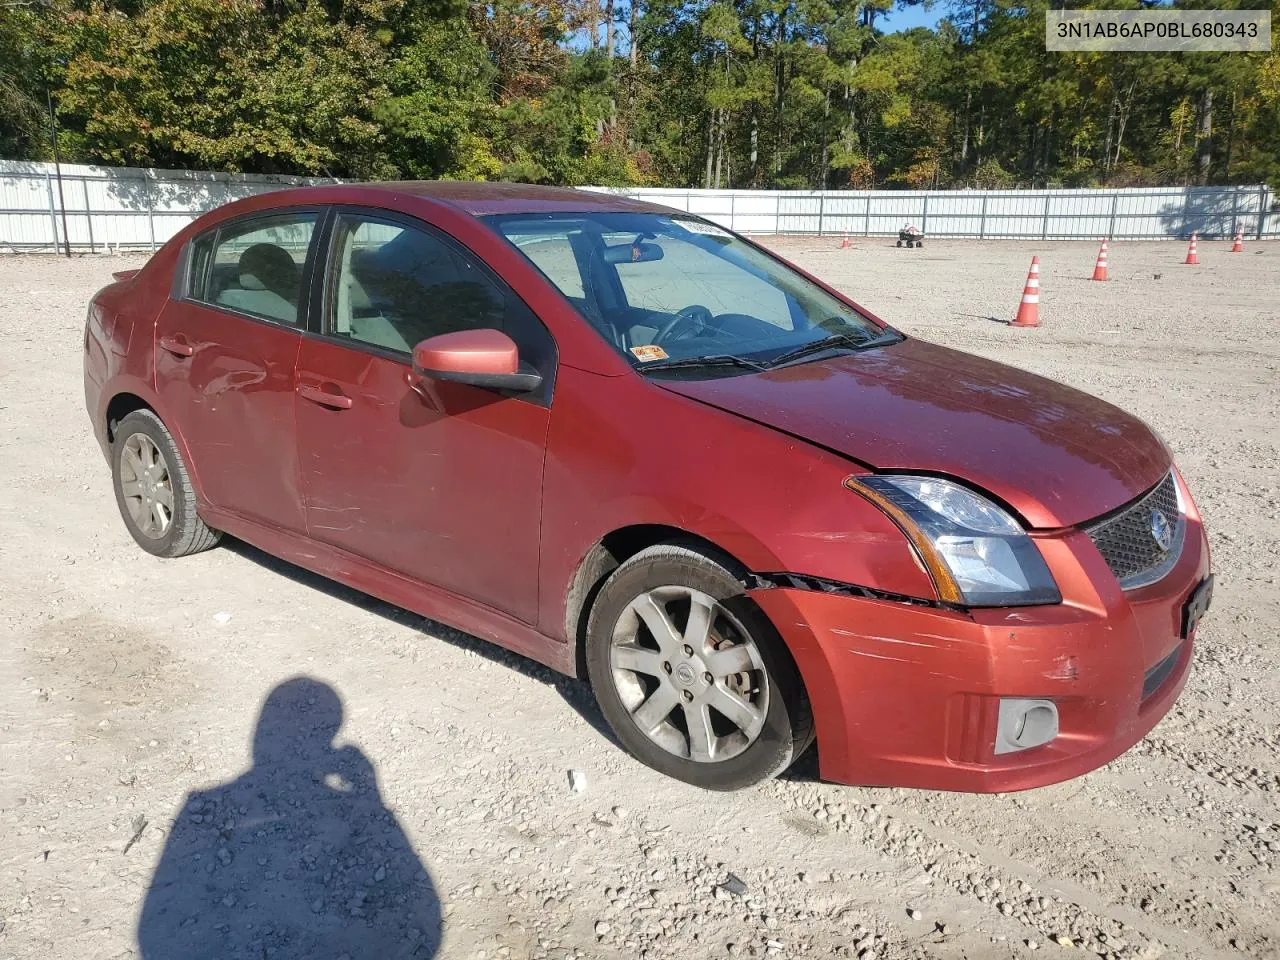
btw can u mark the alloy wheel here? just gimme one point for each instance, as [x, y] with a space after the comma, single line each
[146, 486]
[689, 674]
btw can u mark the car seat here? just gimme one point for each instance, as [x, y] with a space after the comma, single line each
[269, 282]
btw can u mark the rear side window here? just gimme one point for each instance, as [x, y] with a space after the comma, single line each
[255, 266]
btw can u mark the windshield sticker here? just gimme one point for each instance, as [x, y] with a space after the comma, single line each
[649, 352]
[697, 226]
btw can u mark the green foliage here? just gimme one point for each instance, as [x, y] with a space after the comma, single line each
[23, 122]
[781, 93]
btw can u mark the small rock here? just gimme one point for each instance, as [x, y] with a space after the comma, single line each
[914, 914]
[1032, 945]
[222, 617]
[577, 781]
[602, 928]
[734, 885]
[380, 874]
[1063, 941]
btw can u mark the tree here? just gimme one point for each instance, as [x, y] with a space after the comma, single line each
[728, 93]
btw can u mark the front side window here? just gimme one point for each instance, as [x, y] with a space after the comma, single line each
[393, 285]
[396, 285]
[665, 288]
[255, 266]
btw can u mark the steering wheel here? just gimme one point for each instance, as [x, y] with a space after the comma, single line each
[695, 313]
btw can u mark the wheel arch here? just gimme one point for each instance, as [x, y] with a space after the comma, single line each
[610, 552]
[128, 395]
[120, 406]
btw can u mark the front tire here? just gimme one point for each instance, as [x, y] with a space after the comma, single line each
[154, 490]
[691, 676]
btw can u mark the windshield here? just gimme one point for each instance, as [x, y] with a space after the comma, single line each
[664, 289]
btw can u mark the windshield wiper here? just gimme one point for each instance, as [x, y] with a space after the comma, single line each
[711, 360]
[835, 341]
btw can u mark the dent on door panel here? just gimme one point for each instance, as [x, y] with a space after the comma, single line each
[233, 399]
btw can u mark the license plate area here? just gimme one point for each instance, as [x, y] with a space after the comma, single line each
[1196, 606]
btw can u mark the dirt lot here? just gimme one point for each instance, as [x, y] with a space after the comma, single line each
[127, 682]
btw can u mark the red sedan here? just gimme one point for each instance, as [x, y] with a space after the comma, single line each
[639, 448]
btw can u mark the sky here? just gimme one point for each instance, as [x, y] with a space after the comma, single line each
[907, 17]
[897, 19]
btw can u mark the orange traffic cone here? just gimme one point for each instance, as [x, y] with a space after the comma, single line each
[844, 241]
[1237, 245]
[1100, 268]
[1029, 309]
[1191, 252]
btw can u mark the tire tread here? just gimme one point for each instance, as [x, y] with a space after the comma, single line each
[192, 534]
[681, 559]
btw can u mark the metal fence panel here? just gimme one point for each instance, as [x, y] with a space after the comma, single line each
[1131, 213]
[111, 208]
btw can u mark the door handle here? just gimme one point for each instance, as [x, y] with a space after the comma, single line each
[335, 399]
[179, 348]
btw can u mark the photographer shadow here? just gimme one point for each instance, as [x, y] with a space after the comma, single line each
[296, 858]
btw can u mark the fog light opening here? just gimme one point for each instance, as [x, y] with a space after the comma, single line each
[1024, 724]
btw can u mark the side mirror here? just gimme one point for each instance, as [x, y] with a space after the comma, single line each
[482, 358]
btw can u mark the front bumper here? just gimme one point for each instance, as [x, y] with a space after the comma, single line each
[908, 695]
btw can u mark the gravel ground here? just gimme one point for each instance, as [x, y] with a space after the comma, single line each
[137, 737]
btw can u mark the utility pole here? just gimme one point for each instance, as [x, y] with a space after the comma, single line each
[57, 169]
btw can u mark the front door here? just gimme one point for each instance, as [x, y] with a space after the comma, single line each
[445, 488]
[225, 355]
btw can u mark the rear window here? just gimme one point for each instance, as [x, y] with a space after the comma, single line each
[255, 266]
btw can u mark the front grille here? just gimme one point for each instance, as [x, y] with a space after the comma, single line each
[1127, 539]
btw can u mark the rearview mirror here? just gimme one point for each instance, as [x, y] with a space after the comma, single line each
[481, 358]
[637, 252]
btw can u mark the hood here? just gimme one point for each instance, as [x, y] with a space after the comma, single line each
[1058, 456]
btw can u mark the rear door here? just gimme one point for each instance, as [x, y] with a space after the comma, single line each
[445, 489]
[226, 350]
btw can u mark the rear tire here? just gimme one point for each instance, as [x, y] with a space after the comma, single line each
[154, 490]
[710, 695]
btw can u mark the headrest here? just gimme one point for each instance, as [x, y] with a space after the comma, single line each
[264, 266]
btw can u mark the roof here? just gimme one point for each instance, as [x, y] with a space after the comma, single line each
[479, 198]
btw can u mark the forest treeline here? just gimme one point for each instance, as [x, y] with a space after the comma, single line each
[728, 93]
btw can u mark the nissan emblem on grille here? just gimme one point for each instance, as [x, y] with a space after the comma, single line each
[1142, 540]
[1161, 530]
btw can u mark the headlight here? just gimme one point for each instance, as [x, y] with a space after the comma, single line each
[976, 553]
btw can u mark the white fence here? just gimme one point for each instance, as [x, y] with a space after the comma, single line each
[113, 207]
[1153, 213]
[131, 208]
